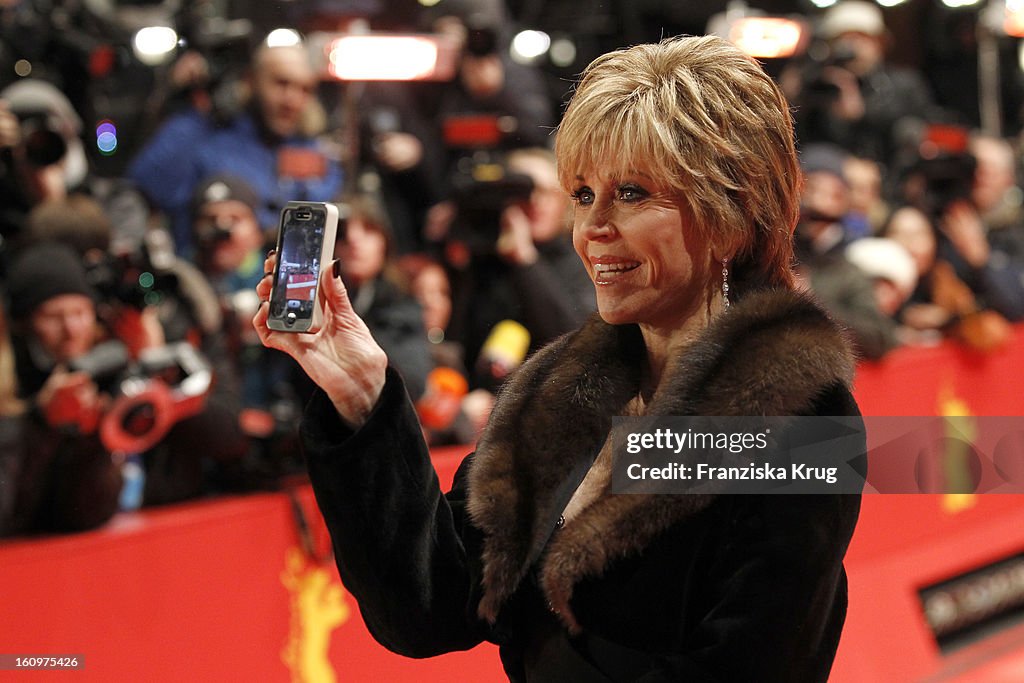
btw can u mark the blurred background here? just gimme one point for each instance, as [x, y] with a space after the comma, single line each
[155, 519]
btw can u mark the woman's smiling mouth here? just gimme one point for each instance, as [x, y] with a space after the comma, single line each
[606, 272]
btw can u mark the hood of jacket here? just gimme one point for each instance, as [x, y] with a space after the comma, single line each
[774, 352]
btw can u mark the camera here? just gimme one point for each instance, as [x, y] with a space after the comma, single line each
[938, 168]
[164, 386]
[41, 141]
[226, 46]
[482, 185]
[305, 243]
[481, 41]
[139, 277]
[817, 90]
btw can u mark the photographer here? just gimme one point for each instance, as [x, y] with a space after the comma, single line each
[71, 368]
[963, 185]
[522, 268]
[231, 248]
[50, 480]
[268, 145]
[42, 160]
[488, 81]
[364, 252]
[853, 97]
[819, 244]
[941, 304]
[41, 156]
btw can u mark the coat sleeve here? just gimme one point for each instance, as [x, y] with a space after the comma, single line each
[403, 549]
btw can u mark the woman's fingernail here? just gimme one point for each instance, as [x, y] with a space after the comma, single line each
[271, 253]
[336, 268]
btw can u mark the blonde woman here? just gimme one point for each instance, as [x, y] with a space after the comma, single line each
[681, 162]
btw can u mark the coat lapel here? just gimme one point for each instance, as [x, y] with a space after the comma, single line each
[771, 354]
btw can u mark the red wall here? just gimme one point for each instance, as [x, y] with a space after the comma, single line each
[220, 590]
[905, 542]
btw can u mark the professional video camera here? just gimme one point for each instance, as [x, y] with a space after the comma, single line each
[817, 90]
[164, 386]
[226, 48]
[938, 169]
[482, 185]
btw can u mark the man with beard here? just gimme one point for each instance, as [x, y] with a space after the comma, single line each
[269, 145]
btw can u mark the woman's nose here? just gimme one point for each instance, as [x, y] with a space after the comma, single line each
[598, 227]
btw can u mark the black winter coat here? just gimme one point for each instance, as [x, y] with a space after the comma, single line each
[636, 587]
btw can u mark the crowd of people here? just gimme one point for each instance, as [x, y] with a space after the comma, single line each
[455, 250]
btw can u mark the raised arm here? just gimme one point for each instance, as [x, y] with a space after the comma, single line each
[402, 548]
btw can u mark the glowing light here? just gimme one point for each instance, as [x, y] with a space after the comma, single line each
[766, 37]
[429, 3]
[382, 58]
[529, 45]
[1013, 22]
[23, 67]
[822, 4]
[562, 52]
[283, 37]
[154, 44]
[106, 137]
[890, 3]
[146, 280]
[954, 4]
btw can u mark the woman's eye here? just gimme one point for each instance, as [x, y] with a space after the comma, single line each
[583, 196]
[631, 193]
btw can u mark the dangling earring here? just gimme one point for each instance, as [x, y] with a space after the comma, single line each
[725, 282]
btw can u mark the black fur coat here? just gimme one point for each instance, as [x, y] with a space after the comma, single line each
[636, 587]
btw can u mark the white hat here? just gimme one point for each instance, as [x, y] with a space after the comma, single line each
[32, 94]
[881, 257]
[853, 16]
[35, 95]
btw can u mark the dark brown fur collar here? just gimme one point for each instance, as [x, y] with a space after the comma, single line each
[772, 353]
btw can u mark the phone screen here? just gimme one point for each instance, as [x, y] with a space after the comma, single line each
[300, 245]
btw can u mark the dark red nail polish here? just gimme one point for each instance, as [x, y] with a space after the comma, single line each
[336, 268]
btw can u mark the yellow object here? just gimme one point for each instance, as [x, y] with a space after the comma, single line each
[318, 607]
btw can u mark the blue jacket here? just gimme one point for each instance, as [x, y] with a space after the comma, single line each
[189, 148]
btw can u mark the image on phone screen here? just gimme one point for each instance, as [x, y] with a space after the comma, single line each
[295, 289]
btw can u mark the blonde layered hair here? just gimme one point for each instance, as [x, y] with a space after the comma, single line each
[698, 113]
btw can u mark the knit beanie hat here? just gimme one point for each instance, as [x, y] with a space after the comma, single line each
[823, 157]
[223, 187]
[41, 272]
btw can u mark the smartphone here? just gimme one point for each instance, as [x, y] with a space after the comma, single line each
[305, 246]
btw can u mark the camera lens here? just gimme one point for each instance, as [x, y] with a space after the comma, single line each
[139, 419]
[43, 147]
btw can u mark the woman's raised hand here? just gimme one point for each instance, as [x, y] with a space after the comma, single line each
[342, 357]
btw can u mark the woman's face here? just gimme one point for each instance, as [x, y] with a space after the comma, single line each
[640, 248]
[911, 228]
[362, 251]
[432, 291]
